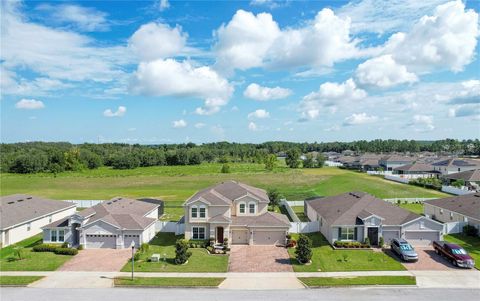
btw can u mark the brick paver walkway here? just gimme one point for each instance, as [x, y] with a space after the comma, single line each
[245, 258]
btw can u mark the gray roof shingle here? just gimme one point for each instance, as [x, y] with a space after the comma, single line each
[226, 192]
[469, 175]
[468, 204]
[267, 219]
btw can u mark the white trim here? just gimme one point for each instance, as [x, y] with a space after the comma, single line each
[244, 209]
[98, 220]
[254, 207]
[204, 232]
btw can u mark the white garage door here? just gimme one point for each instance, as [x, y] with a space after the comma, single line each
[239, 237]
[421, 238]
[128, 238]
[96, 241]
[389, 235]
[269, 237]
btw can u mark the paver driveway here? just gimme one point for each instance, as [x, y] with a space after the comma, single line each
[102, 260]
[427, 260]
[245, 258]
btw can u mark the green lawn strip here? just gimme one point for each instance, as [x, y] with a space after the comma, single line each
[413, 207]
[327, 259]
[18, 280]
[360, 280]
[32, 261]
[469, 243]
[164, 243]
[169, 281]
[299, 212]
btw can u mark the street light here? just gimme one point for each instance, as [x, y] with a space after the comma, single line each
[133, 255]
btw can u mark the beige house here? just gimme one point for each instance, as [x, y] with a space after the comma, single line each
[235, 211]
[449, 166]
[23, 216]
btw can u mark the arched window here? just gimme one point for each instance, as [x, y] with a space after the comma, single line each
[241, 208]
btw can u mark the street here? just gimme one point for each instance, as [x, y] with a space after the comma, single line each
[337, 294]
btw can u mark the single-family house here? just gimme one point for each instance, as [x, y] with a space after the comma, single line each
[462, 208]
[354, 216]
[22, 216]
[449, 166]
[111, 224]
[415, 170]
[393, 161]
[471, 178]
[235, 211]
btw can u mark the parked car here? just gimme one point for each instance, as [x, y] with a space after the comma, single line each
[404, 250]
[454, 253]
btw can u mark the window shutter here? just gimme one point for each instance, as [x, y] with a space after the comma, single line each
[339, 233]
[355, 233]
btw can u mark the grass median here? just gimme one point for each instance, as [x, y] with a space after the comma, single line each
[169, 282]
[18, 280]
[360, 280]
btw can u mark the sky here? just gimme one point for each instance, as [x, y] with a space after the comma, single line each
[164, 71]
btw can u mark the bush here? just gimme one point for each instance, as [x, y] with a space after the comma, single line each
[304, 249]
[181, 251]
[470, 230]
[65, 245]
[45, 248]
[225, 242]
[349, 244]
[225, 168]
[144, 248]
[65, 251]
[210, 249]
[367, 241]
[18, 252]
[381, 242]
[80, 247]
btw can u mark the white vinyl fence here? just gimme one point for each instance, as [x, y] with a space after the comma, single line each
[333, 163]
[397, 179]
[453, 227]
[84, 203]
[304, 227]
[295, 203]
[455, 190]
[379, 172]
[173, 227]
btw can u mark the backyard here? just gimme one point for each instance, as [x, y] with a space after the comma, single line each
[164, 244]
[469, 243]
[326, 259]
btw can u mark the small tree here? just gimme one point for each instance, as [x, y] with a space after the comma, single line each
[458, 183]
[320, 160]
[225, 168]
[293, 158]
[270, 161]
[308, 162]
[304, 249]
[274, 197]
[181, 251]
[18, 252]
[144, 248]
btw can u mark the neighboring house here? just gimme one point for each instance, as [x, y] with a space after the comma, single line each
[415, 170]
[393, 161]
[235, 211]
[463, 208]
[111, 224]
[354, 216]
[450, 166]
[22, 216]
[470, 177]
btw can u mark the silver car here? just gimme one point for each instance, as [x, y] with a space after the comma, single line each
[404, 250]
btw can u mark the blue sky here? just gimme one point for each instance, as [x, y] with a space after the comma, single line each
[245, 71]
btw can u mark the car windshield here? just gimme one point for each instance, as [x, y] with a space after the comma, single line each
[459, 252]
[406, 247]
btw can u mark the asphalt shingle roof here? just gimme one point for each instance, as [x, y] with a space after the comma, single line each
[469, 175]
[267, 219]
[468, 204]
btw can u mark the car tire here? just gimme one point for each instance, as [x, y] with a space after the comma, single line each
[454, 262]
[437, 251]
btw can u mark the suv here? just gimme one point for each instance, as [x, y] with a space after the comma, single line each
[404, 250]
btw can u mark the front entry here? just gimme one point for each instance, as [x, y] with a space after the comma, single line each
[372, 234]
[75, 234]
[220, 235]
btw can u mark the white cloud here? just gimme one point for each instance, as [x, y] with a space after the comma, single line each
[329, 96]
[121, 110]
[82, 18]
[182, 79]
[257, 92]
[467, 110]
[29, 104]
[422, 123]
[358, 119]
[163, 5]
[259, 114]
[199, 125]
[252, 126]
[383, 72]
[11, 83]
[156, 40]
[179, 123]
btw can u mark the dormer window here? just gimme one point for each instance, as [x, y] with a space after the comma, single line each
[202, 212]
[251, 208]
[194, 212]
[242, 208]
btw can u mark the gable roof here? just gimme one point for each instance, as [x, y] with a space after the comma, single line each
[456, 163]
[468, 204]
[267, 219]
[416, 167]
[469, 175]
[20, 208]
[226, 192]
[397, 158]
[344, 209]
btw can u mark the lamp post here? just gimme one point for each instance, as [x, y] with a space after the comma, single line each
[133, 255]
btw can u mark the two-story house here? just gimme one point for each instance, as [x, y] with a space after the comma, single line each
[394, 161]
[235, 211]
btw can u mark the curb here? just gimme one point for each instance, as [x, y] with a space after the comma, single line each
[169, 287]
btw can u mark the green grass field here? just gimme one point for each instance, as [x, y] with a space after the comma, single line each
[168, 281]
[469, 243]
[415, 208]
[361, 280]
[326, 259]
[299, 212]
[177, 183]
[18, 280]
[164, 243]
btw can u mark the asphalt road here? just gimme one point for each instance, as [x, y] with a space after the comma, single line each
[337, 294]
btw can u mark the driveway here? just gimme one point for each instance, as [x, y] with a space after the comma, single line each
[259, 259]
[99, 260]
[427, 260]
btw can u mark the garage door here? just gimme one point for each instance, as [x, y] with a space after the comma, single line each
[389, 235]
[239, 237]
[128, 238]
[269, 237]
[96, 241]
[421, 238]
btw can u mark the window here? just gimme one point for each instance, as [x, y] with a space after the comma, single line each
[202, 212]
[242, 208]
[29, 226]
[198, 233]
[347, 233]
[53, 235]
[61, 235]
[251, 208]
[194, 212]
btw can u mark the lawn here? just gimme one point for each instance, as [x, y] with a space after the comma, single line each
[361, 280]
[326, 259]
[168, 281]
[173, 211]
[414, 207]
[299, 212]
[164, 243]
[469, 243]
[33, 261]
[18, 280]
[177, 183]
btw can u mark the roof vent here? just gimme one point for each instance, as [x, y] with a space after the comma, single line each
[29, 198]
[109, 203]
[20, 200]
[11, 203]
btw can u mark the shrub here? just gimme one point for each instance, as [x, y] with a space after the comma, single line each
[45, 248]
[304, 249]
[181, 251]
[225, 168]
[18, 252]
[470, 230]
[367, 241]
[225, 242]
[144, 247]
[65, 245]
[80, 247]
[65, 251]
[381, 242]
[210, 249]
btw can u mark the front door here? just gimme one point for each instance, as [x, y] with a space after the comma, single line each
[220, 235]
[372, 234]
[75, 234]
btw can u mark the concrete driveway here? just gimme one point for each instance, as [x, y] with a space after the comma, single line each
[245, 258]
[101, 260]
[427, 260]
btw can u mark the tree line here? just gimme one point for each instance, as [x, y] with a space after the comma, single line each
[55, 157]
